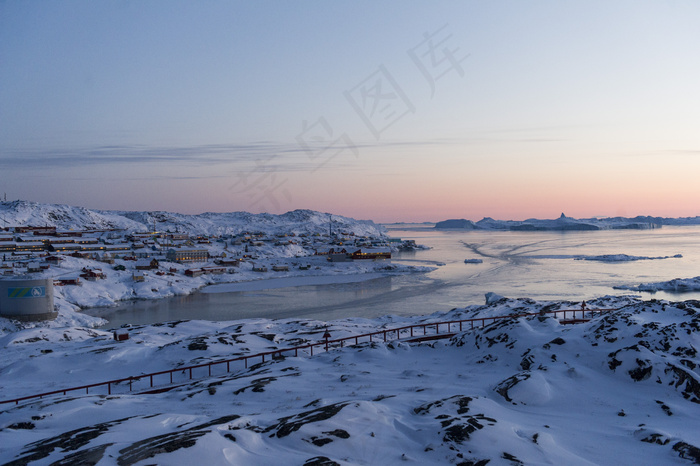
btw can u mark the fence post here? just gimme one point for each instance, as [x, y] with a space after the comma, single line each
[385, 333]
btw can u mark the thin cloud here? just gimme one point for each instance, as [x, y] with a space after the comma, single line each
[254, 156]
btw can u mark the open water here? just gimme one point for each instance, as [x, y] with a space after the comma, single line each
[538, 265]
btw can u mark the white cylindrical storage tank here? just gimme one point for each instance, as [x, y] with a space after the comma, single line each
[27, 300]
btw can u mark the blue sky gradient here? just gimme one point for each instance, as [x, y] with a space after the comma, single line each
[529, 109]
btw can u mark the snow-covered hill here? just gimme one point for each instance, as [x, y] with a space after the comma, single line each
[620, 389]
[27, 213]
[22, 213]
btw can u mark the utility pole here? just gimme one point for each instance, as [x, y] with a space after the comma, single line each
[3, 210]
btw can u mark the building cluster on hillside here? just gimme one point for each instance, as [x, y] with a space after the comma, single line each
[27, 250]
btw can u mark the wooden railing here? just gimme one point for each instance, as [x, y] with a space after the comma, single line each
[167, 379]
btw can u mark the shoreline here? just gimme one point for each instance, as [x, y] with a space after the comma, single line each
[290, 282]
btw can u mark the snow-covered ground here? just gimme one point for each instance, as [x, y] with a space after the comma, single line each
[621, 389]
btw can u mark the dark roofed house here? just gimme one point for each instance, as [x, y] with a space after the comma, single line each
[92, 274]
[53, 259]
[146, 264]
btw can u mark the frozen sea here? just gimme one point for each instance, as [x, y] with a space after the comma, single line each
[538, 265]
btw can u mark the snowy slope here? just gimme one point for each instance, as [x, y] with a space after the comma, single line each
[63, 217]
[621, 389]
[21, 213]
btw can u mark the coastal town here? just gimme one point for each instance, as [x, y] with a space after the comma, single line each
[93, 267]
[34, 249]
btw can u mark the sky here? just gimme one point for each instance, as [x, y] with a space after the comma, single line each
[391, 111]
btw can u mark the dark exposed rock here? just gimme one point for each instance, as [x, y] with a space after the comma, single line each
[258, 385]
[198, 344]
[320, 441]
[266, 336]
[290, 424]
[87, 457]
[665, 407]
[167, 443]
[527, 361]
[511, 458]
[461, 401]
[68, 441]
[689, 364]
[458, 433]
[658, 439]
[613, 363]
[556, 341]
[691, 389]
[340, 433]
[456, 429]
[22, 425]
[503, 387]
[642, 371]
[474, 463]
[687, 451]
[320, 461]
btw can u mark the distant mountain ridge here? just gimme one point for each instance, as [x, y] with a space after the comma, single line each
[64, 217]
[564, 223]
